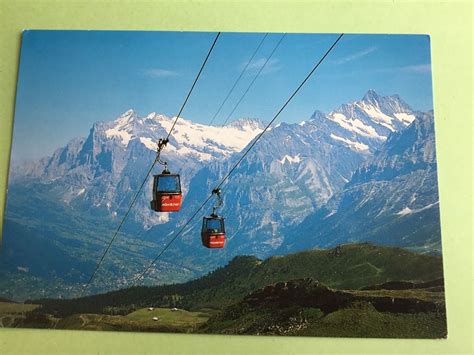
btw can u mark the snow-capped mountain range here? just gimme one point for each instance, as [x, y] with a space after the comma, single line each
[188, 139]
[104, 169]
[294, 174]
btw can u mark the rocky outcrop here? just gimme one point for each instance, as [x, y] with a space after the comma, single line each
[302, 292]
[434, 285]
[313, 294]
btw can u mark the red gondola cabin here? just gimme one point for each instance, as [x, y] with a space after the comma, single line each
[213, 232]
[167, 196]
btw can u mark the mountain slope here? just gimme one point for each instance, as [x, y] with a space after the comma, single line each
[391, 199]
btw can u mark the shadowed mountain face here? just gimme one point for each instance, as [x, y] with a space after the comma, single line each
[308, 179]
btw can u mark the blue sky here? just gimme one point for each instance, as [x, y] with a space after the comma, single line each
[70, 79]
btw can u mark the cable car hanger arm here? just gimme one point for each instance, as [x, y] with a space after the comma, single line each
[162, 142]
[217, 191]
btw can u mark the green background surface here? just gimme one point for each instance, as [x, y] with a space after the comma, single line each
[449, 23]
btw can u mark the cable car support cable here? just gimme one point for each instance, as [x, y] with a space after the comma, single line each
[161, 144]
[192, 87]
[238, 79]
[254, 79]
[142, 274]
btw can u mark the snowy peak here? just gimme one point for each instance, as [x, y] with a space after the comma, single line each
[365, 124]
[390, 104]
[384, 113]
[187, 138]
[389, 111]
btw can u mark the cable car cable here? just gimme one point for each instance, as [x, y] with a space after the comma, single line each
[236, 82]
[192, 87]
[161, 145]
[279, 111]
[240, 76]
[254, 79]
[240, 160]
[120, 225]
[238, 79]
[171, 241]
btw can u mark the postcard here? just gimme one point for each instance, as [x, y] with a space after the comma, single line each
[224, 183]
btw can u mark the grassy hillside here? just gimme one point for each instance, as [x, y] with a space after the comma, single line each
[172, 317]
[308, 308]
[351, 266]
[358, 320]
[166, 320]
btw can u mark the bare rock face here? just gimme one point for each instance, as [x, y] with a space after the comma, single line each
[434, 285]
[401, 305]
